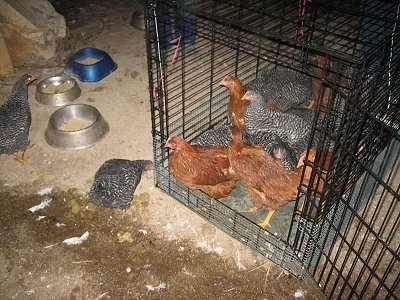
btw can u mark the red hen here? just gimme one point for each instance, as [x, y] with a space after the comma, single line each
[322, 165]
[267, 181]
[205, 168]
[236, 105]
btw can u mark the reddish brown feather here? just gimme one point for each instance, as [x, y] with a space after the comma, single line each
[201, 167]
[236, 105]
[322, 164]
[321, 94]
[268, 182]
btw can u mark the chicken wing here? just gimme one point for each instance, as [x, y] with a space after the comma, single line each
[206, 168]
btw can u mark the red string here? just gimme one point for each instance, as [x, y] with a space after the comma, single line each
[176, 41]
[302, 12]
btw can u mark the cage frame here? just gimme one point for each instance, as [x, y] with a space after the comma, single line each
[357, 184]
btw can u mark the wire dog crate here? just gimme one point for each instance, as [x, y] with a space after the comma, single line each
[346, 236]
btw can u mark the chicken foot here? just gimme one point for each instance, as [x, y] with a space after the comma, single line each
[310, 105]
[21, 158]
[251, 210]
[265, 223]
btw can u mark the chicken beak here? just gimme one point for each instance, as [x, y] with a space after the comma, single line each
[167, 143]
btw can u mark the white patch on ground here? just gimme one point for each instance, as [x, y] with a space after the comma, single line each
[43, 204]
[77, 240]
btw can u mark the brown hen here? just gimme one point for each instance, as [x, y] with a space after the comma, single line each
[315, 172]
[322, 165]
[267, 181]
[322, 94]
[236, 105]
[205, 168]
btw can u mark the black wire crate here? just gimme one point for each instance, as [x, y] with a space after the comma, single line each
[346, 212]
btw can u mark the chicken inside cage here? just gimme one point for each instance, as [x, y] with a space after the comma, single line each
[263, 146]
[304, 98]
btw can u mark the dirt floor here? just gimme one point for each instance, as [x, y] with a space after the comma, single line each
[156, 249]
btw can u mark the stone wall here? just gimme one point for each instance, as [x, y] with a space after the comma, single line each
[34, 32]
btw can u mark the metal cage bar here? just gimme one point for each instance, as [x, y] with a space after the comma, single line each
[344, 234]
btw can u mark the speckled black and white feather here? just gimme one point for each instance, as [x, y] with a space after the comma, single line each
[220, 136]
[15, 119]
[292, 130]
[270, 142]
[115, 182]
[283, 87]
[273, 145]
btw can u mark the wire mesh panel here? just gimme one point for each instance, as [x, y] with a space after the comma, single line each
[342, 229]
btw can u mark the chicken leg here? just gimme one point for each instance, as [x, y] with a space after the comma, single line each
[250, 210]
[21, 157]
[309, 105]
[265, 223]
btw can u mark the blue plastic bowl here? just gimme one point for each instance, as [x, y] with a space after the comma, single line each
[90, 64]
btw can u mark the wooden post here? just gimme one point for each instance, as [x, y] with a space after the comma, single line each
[6, 65]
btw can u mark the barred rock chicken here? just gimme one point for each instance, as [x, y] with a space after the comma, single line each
[265, 178]
[285, 88]
[116, 180]
[294, 131]
[274, 146]
[237, 105]
[201, 167]
[15, 119]
[219, 136]
[271, 143]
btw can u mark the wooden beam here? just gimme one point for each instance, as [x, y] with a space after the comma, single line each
[6, 65]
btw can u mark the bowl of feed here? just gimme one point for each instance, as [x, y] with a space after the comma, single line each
[90, 64]
[75, 126]
[57, 91]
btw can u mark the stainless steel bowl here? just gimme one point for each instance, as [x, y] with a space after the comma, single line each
[75, 126]
[57, 91]
[137, 20]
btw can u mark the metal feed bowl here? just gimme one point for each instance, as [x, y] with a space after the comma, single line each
[75, 126]
[57, 91]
